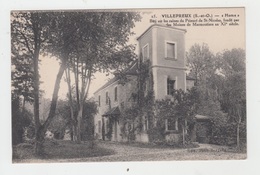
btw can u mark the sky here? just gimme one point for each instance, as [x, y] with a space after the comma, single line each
[218, 39]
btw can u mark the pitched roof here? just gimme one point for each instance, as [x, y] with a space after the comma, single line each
[112, 112]
[111, 81]
[131, 70]
[189, 78]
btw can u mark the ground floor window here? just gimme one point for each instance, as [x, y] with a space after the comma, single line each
[171, 124]
[107, 126]
[146, 127]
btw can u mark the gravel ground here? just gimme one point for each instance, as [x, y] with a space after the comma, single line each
[130, 153]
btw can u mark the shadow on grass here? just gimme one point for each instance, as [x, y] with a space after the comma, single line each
[60, 149]
[161, 145]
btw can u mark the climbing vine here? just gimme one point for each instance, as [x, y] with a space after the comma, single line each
[142, 106]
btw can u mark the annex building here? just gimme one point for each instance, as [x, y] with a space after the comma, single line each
[164, 47]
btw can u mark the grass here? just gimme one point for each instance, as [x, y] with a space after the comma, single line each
[156, 145]
[60, 150]
[67, 151]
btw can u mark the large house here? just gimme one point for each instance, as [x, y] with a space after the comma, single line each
[164, 47]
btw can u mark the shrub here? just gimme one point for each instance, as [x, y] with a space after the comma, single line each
[156, 135]
[20, 120]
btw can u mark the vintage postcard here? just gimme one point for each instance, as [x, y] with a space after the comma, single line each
[129, 90]
[128, 85]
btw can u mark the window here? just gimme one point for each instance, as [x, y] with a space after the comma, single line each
[115, 93]
[99, 100]
[99, 126]
[107, 126]
[146, 52]
[171, 124]
[146, 123]
[170, 86]
[107, 98]
[170, 50]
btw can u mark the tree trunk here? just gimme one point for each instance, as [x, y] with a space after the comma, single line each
[183, 135]
[36, 27]
[38, 141]
[74, 133]
[76, 74]
[238, 129]
[71, 132]
[79, 121]
[238, 136]
[184, 131]
[73, 128]
[72, 118]
[51, 115]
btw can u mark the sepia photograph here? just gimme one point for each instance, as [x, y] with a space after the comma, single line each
[116, 85]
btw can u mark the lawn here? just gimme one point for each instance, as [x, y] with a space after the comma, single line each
[104, 151]
[60, 149]
[153, 145]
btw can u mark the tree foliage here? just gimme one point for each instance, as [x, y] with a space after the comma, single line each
[181, 106]
[96, 40]
[62, 120]
[30, 30]
[21, 119]
[223, 90]
[234, 93]
[201, 62]
[101, 46]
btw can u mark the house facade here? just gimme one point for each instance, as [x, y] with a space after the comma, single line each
[112, 98]
[164, 47]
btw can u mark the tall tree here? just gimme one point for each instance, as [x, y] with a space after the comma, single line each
[30, 28]
[201, 62]
[221, 83]
[63, 36]
[102, 46]
[95, 40]
[205, 67]
[234, 94]
[22, 75]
